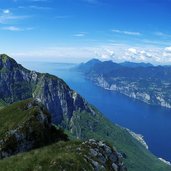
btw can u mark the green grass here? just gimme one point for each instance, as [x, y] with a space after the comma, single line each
[14, 115]
[26, 125]
[64, 155]
[138, 157]
[84, 125]
[4, 58]
[57, 157]
[2, 104]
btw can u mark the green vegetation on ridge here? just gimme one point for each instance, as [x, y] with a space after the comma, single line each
[12, 116]
[60, 156]
[26, 125]
[138, 157]
[2, 104]
[71, 111]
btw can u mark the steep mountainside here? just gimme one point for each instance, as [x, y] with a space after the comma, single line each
[18, 83]
[68, 110]
[24, 126]
[150, 84]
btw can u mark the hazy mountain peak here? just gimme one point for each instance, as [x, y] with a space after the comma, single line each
[94, 61]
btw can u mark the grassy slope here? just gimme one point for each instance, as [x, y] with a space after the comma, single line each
[91, 127]
[2, 104]
[15, 114]
[138, 158]
[59, 156]
[64, 155]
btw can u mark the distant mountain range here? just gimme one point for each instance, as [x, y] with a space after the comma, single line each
[134, 65]
[39, 110]
[141, 81]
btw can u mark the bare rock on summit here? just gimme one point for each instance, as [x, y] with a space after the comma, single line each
[103, 157]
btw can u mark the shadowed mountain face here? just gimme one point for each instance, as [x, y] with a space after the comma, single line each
[18, 83]
[68, 110]
[145, 82]
[26, 125]
[135, 65]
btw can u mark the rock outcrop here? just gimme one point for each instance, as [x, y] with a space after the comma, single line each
[89, 155]
[34, 132]
[102, 156]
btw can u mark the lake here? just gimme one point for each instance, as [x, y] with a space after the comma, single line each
[154, 123]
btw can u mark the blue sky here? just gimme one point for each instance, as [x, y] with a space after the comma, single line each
[77, 30]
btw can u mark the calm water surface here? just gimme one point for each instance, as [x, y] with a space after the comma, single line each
[154, 123]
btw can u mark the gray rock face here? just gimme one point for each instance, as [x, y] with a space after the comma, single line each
[13, 81]
[18, 83]
[144, 82]
[103, 157]
[35, 132]
[133, 90]
[59, 99]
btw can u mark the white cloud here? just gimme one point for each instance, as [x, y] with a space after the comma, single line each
[162, 34]
[35, 7]
[5, 19]
[138, 54]
[168, 49]
[6, 11]
[157, 42]
[116, 53]
[7, 16]
[134, 54]
[104, 54]
[11, 28]
[14, 28]
[127, 32]
[167, 54]
[82, 34]
[132, 50]
[57, 53]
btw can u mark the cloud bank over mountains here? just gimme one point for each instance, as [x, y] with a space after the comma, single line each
[117, 53]
[79, 30]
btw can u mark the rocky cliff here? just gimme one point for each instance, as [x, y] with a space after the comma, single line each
[26, 125]
[150, 84]
[69, 111]
[133, 90]
[20, 83]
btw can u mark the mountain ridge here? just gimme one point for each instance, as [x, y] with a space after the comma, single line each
[150, 84]
[133, 64]
[79, 119]
[39, 86]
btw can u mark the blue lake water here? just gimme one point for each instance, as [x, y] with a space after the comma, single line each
[154, 123]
